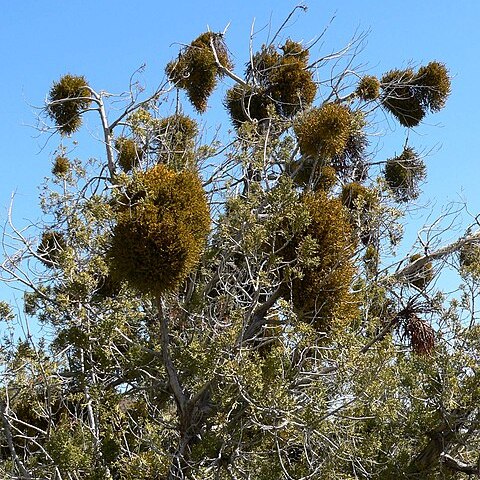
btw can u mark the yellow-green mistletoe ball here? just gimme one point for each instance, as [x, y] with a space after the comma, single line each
[159, 238]
[403, 173]
[175, 142]
[61, 166]
[129, 153]
[355, 195]
[409, 96]
[196, 70]
[368, 88]
[67, 99]
[324, 131]
[322, 295]
[433, 85]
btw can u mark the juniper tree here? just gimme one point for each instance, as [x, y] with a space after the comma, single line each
[233, 312]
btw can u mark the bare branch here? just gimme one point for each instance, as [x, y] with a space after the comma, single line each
[224, 69]
[172, 373]
[8, 435]
[410, 269]
[458, 465]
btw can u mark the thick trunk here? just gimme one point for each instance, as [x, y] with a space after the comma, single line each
[440, 439]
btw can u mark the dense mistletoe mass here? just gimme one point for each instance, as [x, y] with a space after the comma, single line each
[232, 308]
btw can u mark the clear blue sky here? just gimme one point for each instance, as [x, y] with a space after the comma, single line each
[106, 41]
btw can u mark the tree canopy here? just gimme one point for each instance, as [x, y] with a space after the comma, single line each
[238, 309]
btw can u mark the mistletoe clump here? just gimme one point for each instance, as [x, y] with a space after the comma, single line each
[321, 294]
[158, 240]
[433, 85]
[246, 104]
[368, 88]
[354, 195]
[175, 141]
[67, 99]
[350, 163]
[400, 99]
[291, 83]
[469, 257]
[324, 132]
[196, 70]
[327, 178]
[309, 172]
[409, 96]
[52, 245]
[129, 154]
[403, 173]
[61, 166]
[281, 80]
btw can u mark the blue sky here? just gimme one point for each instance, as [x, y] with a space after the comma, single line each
[107, 41]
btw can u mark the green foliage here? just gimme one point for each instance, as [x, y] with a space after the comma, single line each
[363, 205]
[70, 448]
[67, 100]
[403, 173]
[145, 466]
[324, 132]
[129, 154]
[158, 240]
[409, 95]
[196, 69]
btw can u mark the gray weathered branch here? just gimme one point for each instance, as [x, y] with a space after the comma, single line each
[8, 436]
[459, 466]
[413, 267]
[173, 378]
